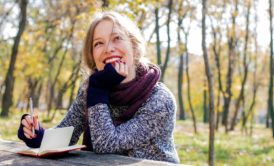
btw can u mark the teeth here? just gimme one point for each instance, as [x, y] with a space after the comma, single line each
[112, 60]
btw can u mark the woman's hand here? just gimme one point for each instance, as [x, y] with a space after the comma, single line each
[28, 124]
[121, 68]
[25, 131]
[111, 76]
[101, 83]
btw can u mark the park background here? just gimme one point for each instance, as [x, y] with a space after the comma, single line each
[40, 57]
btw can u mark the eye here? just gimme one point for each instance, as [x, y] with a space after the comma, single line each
[116, 38]
[97, 44]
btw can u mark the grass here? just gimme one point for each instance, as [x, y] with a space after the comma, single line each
[234, 148]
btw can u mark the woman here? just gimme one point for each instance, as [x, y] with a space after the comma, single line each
[121, 108]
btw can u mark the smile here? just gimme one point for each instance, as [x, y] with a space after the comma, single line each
[112, 59]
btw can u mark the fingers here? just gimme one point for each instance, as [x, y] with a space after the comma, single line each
[28, 123]
[28, 133]
[121, 68]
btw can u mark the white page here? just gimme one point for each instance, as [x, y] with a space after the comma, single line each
[56, 138]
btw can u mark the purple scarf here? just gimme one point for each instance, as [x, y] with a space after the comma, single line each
[135, 92]
[132, 94]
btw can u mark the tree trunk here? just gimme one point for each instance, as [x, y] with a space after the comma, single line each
[218, 111]
[270, 101]
[180, 88]
[245, 66]
[189, 95]
[67, 85]
[180, 72]
[52, 87]
[37, 95]
[205, 104]
[52, 96]
[10, 79]
[231, 63]
[71, 96]
[170, 3]
[251, 124]
[250, 110]
[209, 75]
[158, 42]
[34, 90]
[217, 53]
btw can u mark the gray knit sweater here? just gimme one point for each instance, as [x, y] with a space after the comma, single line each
[148, 135]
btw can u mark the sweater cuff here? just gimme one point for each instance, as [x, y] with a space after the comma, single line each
[96, 96]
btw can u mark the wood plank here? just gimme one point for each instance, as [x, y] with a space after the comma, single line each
[8, 156]
[85, 158]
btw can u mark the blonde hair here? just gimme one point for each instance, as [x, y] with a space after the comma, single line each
[123, 22]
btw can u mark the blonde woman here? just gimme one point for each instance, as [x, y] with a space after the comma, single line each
[121, 108]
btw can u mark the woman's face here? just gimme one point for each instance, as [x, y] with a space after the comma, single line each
[112, 45]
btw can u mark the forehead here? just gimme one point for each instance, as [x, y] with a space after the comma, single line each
[106, 27]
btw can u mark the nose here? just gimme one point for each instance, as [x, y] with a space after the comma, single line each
[109, 47]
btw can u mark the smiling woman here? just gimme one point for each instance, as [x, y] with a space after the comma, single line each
[121, 108]
[112, 46]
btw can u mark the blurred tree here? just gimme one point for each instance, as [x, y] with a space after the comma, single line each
[158, 41]
[181, 63]
[10, 79]
[209, 76]
[270, 107]
[185, 12]
[164, 67]
[232, 44]
[216, 30]
[255, 82]
[189, 90]
[241, 97]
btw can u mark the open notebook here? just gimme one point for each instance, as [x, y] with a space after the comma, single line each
[55, 142]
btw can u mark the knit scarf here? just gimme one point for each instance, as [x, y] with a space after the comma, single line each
[132, 94]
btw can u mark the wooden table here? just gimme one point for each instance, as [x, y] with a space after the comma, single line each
[8, 156]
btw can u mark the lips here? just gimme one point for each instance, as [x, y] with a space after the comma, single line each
[112, 59]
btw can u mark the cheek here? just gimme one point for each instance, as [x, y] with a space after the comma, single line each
[96, 55]
[97, 60]
[129, 53]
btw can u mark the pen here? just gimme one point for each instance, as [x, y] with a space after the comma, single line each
[31, 115]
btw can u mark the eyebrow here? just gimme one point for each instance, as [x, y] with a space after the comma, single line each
[96, 39]
[114, 33]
